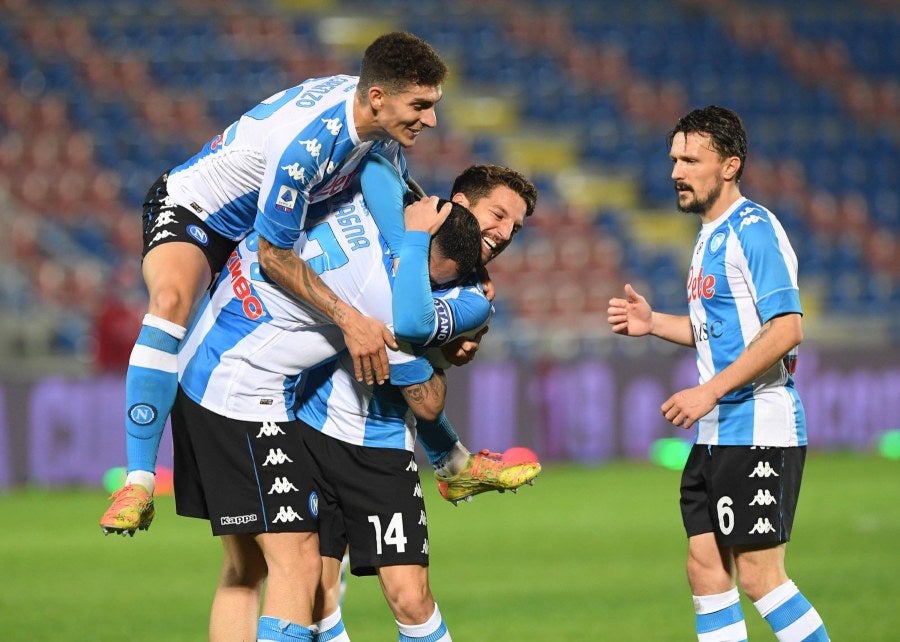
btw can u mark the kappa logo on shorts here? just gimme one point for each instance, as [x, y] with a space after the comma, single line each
[276, 456]
[142, 414]
[198, 234]
[763, 498]
[425, 548]
[286, 514]
[282, 485]
[417, 490]
[763, 469]
[269, 429]
[423, 519]
[237, 519]
[762, 526]
[162, 235]
[164, 218]
[413, 467]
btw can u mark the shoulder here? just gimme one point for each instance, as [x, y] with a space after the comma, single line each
[752, 223]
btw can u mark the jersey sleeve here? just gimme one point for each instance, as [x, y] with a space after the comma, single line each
[293, 172]
[771, 265]
[413, 307]
[384, 190]
[407, 368]
[456, 315]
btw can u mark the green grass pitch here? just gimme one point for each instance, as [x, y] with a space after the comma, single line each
[588, 553]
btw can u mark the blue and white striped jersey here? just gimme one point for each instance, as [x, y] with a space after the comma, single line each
[332, 401]
[744, 273]
[251, 341]
[297, 147]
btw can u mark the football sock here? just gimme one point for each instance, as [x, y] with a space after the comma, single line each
[331, 629]
[150, 387]
[273, 629]
[434, 630]
[437, 438]
[142, 477]
[454, 462]
[720, 618]
[791, 615]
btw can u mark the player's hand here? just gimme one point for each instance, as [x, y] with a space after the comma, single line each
[631, 316]
[462, 350]
[366, 339]
[423, 215]
[486, 283]
[686, 407]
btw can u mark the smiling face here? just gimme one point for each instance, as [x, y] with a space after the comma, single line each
[701, 175]
[500, 215]
[402, 114]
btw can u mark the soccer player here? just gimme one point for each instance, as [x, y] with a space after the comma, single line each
[238, 456]
[501, 199]
[361, 436]
[295, 148]
[741, 482]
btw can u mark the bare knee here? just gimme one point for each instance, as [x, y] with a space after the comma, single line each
[709, 568]
[761, 571]
[408, 594]
[243, 565]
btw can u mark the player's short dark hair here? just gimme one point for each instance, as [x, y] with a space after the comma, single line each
[399, 59]
[477, 181]
[724, 128]
[459, 238]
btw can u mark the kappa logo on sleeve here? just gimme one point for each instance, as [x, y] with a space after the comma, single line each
[287, 198]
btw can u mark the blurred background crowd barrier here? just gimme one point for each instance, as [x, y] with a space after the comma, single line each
[100, 96]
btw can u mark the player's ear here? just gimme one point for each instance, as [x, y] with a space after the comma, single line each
[732, 165]
[460, 198]
[376, 97]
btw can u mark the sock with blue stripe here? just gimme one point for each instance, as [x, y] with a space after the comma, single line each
[150, 386]
[791, 615]
[434, 630]
[720, 618]
[273, 629]
[331, 629]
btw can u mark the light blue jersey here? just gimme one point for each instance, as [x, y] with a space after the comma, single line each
[251, 341]
[743, 274]
[297, 147]
[332, 401]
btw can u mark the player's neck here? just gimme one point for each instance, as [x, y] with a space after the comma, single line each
[730, 194]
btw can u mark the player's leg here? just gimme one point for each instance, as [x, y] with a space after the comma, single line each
[330, 626]
[462, 475]
[294, 570]
[710, 567]
[178, 252]
[408, 594]
[776, 475]
[235, 607]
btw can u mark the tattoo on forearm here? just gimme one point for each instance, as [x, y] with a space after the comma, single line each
[297, 276]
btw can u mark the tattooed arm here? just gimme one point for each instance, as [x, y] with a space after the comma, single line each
[426, 399]
[775, 339]
[364, 336]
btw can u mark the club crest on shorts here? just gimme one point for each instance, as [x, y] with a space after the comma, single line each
[314, 504]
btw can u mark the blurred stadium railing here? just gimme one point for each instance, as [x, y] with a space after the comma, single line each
[100, 96]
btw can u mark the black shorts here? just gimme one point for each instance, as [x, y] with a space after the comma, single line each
[166, 222]
[243, 476]
[746, 495]
[370, 498]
